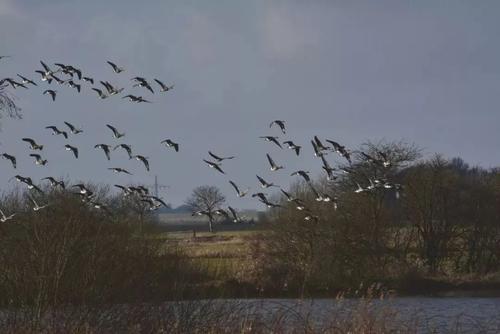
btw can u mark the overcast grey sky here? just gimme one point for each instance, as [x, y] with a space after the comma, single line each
[427, 72]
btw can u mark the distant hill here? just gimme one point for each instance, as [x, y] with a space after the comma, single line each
[180, 209]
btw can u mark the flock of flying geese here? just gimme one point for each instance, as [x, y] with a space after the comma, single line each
[73, 77]
[320, 151]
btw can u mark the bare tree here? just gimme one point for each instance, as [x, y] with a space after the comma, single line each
[7, 104]
[206, 199]
[434, 207]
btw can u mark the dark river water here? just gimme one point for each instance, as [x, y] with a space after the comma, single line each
[439, 315]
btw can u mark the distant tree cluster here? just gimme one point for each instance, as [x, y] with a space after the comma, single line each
[445, 220]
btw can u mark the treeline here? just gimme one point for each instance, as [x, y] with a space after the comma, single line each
[73, 254]
[445, 221]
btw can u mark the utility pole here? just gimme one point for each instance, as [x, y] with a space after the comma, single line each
[158, 186]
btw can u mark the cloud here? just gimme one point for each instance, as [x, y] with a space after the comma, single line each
[286, 34]
[8, 8]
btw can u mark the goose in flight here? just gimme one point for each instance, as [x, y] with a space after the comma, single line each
[82, 188]
[279, 123]
[85, 198]
[11, 158]
[346, 170]
[5, 218]
[139, 190]
[359, 189]
[336, 146]
[289, 197]
[45, 77]
[262, 197]
[221, 212]
[99, 206]
[220, 159]
[238, 191]
[272, 139]
[341, 150]
[69, 70]
[142, 190]
[51, 92]
[170, 143]
[36, 206]
[317, 151]
[317, 195]
[29, 182]
[214, 165]
[110, 88]
[292, 146]
[271, 205]
[126, 147]
[106, 149]
[116, 133]
[33, 144]
[102, 96]
[300, 205]
[141, 82]
[302, 173]
[56, 131]
[88, 79]
[47, 71]
[54, 183]
[133, 98]
[26, 80]
[274, 167]
[158, 200]
[152, 204]
[72, 84]
[319, 144]
[202, 213]
[4, 57]
[72, 149]
[65, 69]
[74, 130]
[372, 185]
[265, 184]
[59, 81]
[116, 68]
[384, 159]
[120, 170]
[236, 219]
[38, 159]
[143, 159]
[126, 190]
[164, 88]
[14, 83]
[329, 199]
[329, 170]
